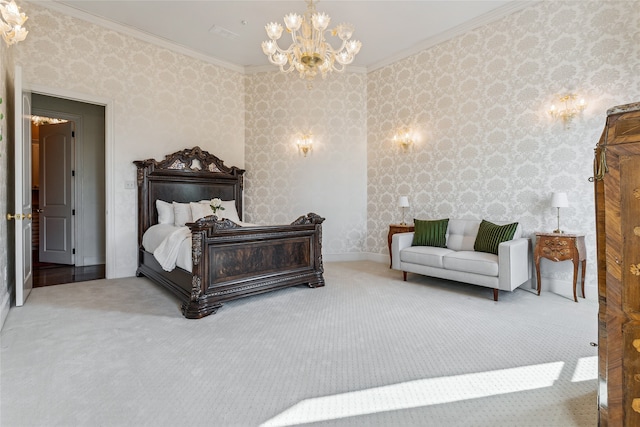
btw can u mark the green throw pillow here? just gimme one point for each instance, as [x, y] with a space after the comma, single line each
[490, 235]
[430, 233]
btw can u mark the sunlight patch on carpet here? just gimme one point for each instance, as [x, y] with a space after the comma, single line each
[586, 369]
[413, 394]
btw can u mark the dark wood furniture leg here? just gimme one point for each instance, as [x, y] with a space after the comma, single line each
[495, 294]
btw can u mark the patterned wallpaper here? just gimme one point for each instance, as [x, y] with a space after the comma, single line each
[486, 146]
[164, 101]
[281, 184]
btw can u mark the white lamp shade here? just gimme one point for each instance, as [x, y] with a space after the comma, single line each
[559, 200]
[403, 202]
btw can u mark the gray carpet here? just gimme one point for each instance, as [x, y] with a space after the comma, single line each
[367, 349]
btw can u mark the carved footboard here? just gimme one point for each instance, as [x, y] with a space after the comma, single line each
[231, 262]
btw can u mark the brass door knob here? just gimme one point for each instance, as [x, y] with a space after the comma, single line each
[16, 216]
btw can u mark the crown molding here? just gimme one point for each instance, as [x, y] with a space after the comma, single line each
[485, 19]
[140, 35]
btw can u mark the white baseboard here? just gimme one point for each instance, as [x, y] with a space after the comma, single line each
[565, 288]
[88, 260]
[5, 305]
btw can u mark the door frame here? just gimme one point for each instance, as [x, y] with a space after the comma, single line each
[109, 168]
[76, 184]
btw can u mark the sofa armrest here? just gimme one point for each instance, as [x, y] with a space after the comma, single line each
[514, 266]
[399, 242]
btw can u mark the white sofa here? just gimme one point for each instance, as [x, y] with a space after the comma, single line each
[458, 261]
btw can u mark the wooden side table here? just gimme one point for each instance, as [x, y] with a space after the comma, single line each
[397, 228]
[562, 247]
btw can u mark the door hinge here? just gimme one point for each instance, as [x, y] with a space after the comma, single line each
[73, 173]
[73, 251]
[73, 211]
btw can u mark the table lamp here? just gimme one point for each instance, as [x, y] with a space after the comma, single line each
[559, 200]
[403, 202]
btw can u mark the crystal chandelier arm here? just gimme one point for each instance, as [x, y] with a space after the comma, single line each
[11, 27]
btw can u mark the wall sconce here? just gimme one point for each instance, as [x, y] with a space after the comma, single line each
[11, 22]
[559, 200]
[404, 139]
[305, 143]
[569, 109]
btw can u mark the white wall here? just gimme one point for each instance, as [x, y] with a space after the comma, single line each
[487, 148]
[163, 102]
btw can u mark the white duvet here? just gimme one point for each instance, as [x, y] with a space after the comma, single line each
[171, 245]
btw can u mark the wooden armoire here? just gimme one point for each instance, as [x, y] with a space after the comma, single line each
[617, 196]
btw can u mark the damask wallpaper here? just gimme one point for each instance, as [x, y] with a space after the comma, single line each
[486, 146]
[281, 184]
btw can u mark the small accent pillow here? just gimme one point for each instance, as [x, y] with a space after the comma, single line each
[430, 233]
[230, 211]
[200, 210]
[490, 235]
[165, 212]
[182, 214]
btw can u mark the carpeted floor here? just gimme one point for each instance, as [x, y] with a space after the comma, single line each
[367, 349]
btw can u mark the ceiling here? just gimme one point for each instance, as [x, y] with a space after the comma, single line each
[388, 30]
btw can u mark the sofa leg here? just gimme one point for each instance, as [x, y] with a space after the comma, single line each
[404, 276]
[495, 295]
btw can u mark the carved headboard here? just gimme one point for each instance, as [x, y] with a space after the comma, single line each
[189, 175]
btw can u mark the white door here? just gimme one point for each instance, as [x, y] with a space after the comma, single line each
[22, 145]
[56, 202]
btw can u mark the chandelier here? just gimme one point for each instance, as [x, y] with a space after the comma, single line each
[11, 22]
[310, 53]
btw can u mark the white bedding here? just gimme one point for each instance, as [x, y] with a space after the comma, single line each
[171, 245]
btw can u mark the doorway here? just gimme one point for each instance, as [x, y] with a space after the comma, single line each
[68, 236]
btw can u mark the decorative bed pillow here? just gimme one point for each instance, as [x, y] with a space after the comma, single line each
[165, 212]
[182, 214]
[490, 235]
[230, 211]
[200, 210]
[430, 233]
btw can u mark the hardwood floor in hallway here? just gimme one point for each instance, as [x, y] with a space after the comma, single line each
[46, 274]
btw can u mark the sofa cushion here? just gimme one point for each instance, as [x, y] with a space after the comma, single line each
[472, 262]
[490, 235]
[430, 233]
[429, 256]
[461, 234]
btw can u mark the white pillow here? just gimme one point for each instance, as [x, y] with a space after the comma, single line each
[165, 212]
[182, 213]
[230, 211]
[200, 209]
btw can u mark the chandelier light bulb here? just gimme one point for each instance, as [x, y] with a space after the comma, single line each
[292, 21]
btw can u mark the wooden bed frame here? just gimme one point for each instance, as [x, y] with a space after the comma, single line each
[229, 261]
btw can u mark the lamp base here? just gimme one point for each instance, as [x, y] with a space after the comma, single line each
[558, 231]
